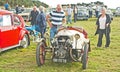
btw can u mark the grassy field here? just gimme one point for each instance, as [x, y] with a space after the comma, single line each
[100, 59]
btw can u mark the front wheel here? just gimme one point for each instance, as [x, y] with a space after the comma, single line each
[40, 53]
[85, 57]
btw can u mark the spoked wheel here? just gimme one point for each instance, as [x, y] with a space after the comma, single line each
[85, 57]
[75, 54]
[40, 53]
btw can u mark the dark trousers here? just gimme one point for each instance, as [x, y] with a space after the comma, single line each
[90, 14]
[107, 36]
[97, 12]
[42, 31]
[75, 17]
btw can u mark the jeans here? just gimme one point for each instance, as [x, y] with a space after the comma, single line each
[53, 31]
[69, 19]
[107, 36]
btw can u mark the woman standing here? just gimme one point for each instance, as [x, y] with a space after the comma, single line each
[103, 27]
[75, 11]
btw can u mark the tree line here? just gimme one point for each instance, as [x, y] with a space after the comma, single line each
[26, 3]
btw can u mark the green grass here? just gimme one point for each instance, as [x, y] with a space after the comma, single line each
[100, 60]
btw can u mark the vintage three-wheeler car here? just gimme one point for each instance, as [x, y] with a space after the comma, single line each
[69, 44]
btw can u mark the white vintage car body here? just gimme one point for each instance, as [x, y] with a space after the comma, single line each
[75, 43]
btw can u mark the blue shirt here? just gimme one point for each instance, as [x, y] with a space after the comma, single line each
[6, 6]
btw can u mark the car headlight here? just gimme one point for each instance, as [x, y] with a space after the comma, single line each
[77, 36]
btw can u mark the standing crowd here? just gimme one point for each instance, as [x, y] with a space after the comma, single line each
[55, 19]
[59, 16]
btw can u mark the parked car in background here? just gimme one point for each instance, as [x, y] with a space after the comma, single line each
[109, 12]
[12, 31]
[12, 10]
[82, 13]
[117, 12]
[26, 13]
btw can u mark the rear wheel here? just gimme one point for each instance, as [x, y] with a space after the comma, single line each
[25, 41]
[85, 57]
[40, 53]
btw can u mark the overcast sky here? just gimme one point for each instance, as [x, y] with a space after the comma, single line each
[109, 3]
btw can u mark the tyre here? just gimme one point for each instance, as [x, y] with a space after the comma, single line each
[85, 57]
[75, 54]
[25, 41]
[40, 53]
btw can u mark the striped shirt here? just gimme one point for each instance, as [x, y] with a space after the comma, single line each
[57, 17]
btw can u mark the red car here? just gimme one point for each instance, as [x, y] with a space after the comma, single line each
[12, 31]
